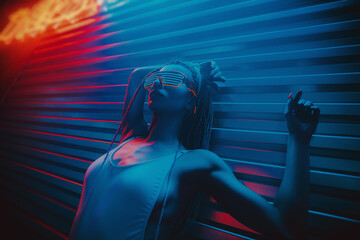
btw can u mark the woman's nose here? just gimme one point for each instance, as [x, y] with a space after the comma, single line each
[158, 83]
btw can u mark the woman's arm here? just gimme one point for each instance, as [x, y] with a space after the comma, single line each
[134, 122]
[292, 198]
[286, 219]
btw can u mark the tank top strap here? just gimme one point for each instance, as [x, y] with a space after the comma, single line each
[183, 151]
[112, 151]
[123, 143]
[105, 160]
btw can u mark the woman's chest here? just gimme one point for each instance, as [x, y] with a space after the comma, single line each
[179, 193]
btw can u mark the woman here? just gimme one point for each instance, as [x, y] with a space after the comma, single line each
[142, 191]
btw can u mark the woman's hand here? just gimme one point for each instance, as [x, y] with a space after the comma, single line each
[302, 117]
[210, 73]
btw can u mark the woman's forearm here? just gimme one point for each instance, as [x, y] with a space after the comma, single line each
[292, 198]
[138, 104]
[136, 112]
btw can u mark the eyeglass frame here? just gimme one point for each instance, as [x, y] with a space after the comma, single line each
[183, 82]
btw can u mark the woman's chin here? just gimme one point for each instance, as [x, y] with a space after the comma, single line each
[160, 109]
[156, 106]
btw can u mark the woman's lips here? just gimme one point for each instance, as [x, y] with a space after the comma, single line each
[155, 93]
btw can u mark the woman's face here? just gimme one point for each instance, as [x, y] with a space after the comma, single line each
[171, 99]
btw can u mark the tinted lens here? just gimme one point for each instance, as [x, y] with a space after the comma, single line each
[168, 78]
[150, 80]
[173, 79]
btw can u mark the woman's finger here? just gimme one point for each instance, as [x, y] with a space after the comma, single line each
[298, 96]
[221, 79]
[308, 103]
[290, 105]
[300, 109]
[206, 65]
[217, 75]
[213, 64]
[308, 112]
[215, 70]
[316, 113]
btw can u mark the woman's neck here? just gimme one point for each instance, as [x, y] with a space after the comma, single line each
[165, 129]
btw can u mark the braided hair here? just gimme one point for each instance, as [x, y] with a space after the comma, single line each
[195, 130]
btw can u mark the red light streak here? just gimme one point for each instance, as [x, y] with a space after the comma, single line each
[69, 88]
[64, 118]
[78, 52]
[247, 119]
[252, 171]
[37, 170]
[69, 103]
[27, 214]
[57, 232]
[73, 34]
[48, 14]
[77, 63]
[251, 149]
[262, 189]
[227, 219]
[52, 200]
[74, 75]
[54, 134]
[44, 151]
[41, 195]
[94, 38]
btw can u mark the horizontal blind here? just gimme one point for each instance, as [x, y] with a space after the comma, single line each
[64, 109]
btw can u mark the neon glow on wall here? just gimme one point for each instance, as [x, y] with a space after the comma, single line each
[47, 15]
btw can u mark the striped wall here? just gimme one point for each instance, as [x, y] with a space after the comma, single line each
[62, 112]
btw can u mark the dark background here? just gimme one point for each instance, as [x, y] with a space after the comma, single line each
[12, 58]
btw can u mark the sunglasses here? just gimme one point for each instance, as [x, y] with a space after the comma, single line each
[168, 78]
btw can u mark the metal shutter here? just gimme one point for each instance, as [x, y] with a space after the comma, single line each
[64, 109]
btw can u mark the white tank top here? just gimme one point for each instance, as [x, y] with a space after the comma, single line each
[122, 199]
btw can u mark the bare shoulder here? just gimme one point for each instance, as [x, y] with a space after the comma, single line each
[94, 169]
[211, 165]
[205, 167]
[206, 159]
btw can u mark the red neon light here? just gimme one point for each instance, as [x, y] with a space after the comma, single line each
[69, 88]
[77, 63]
[37, 170]
[94, 38]
[47, 14]
[27, 214]
[248, 119]
[52, 153]
[69, 102]
[78, 52]
[227, 219]
[57, 232]
[251, 149]
[52, 200]
[74, 34]
[54, 134]
[64, 118]
[261, 189]
[252, 171]
[41, 195]
[74, 75]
